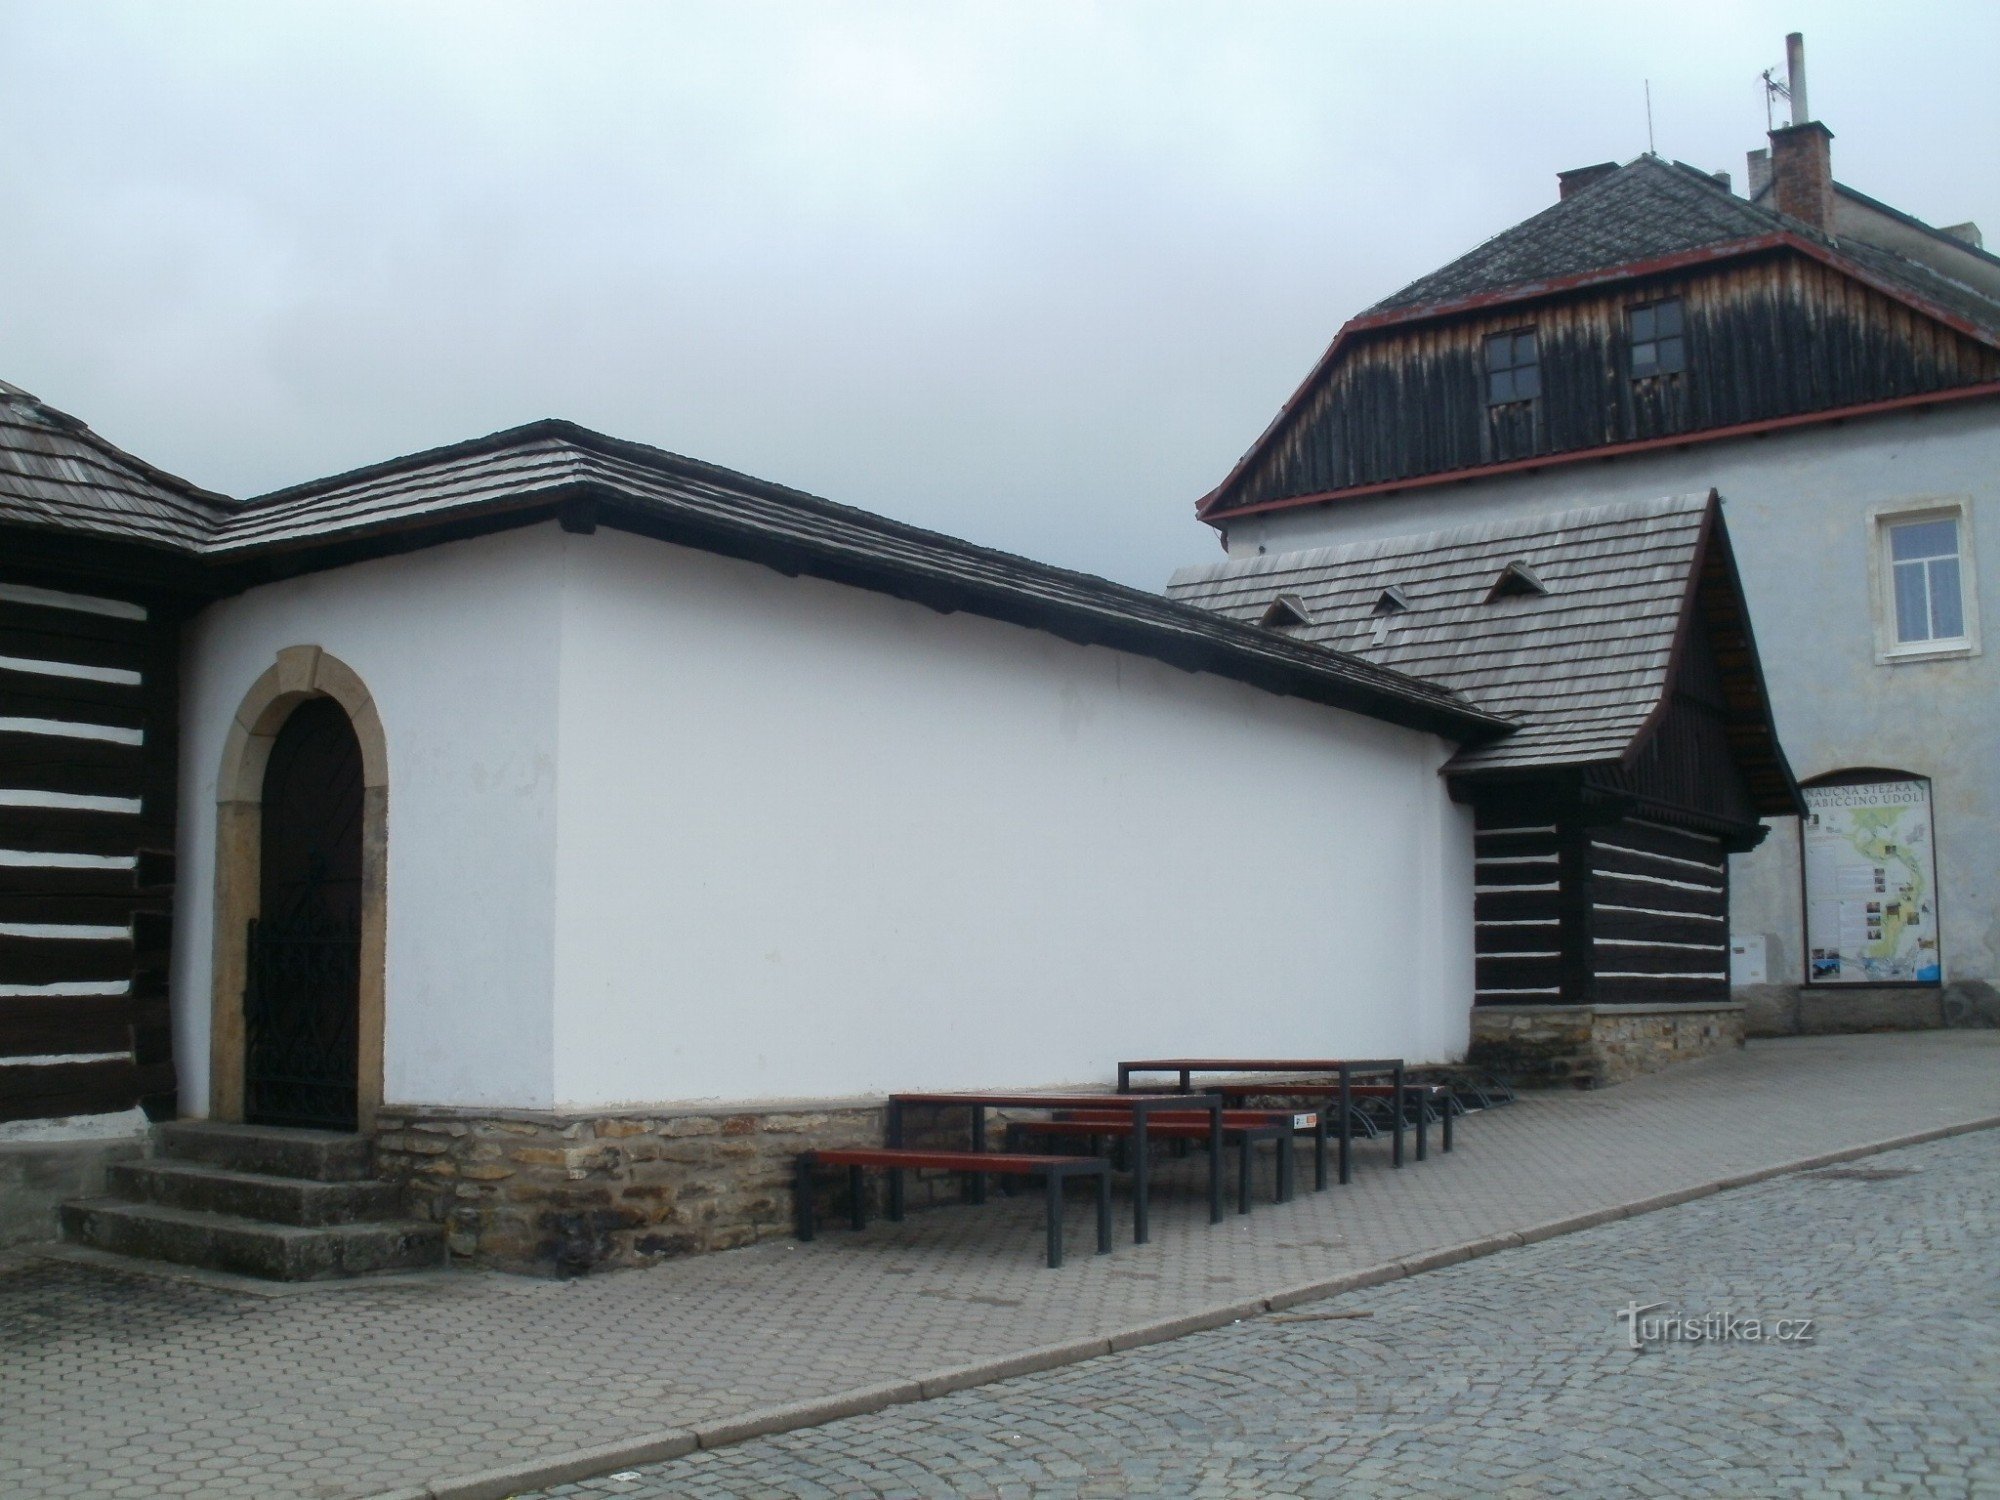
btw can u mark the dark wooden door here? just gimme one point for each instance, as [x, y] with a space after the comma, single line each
[302, 1006]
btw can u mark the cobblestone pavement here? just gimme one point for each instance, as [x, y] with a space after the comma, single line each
[1510, 1376]
[119, 1384]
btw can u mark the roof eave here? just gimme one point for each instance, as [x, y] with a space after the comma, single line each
[1117, 617]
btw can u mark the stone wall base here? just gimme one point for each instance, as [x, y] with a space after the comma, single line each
[1593, 1046]
[38, 1176]
[1797, 1010]
[560, 1194]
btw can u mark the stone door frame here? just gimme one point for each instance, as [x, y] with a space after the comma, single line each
[299, 673]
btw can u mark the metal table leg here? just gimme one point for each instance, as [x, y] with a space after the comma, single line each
[1396, 1097]
[1215, 1158]
[1346, 1127]
[1141, 1227]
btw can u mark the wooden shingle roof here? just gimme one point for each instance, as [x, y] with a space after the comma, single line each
[1651, 210]
[1583, 668]
[59, 480]
[55, 473]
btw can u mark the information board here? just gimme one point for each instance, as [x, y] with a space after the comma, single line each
[1871, 884]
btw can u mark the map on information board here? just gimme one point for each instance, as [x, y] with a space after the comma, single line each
[1871, 884]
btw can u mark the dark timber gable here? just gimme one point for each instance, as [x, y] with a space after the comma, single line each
[1611, 886]
[1777, 324]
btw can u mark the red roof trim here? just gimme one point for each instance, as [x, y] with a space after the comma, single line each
[1529, 291]
[1606, 451]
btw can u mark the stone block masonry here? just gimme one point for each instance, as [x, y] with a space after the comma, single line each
[561, 1194]
[36, 1176]
[1593, 1046]
[1796, 1010]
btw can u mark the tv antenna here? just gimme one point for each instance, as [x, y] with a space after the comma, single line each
[1793, 89]
[1649, 119]
[1774, 89]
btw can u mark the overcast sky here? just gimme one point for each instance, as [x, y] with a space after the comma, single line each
[1034, 274]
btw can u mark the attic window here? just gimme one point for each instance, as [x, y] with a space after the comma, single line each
[1516, 580]
[1391, 601]
[1285, 612]
[1658, 347]
[1513, 368]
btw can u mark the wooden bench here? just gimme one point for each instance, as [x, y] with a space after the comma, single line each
[896, 1160]
[1245, 1127]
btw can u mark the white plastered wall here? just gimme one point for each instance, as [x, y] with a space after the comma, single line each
[458, 645]
[669, 827]
[816, 842]
[1797, 505]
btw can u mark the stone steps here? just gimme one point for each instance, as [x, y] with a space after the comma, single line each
[286, 1205]
[297, 1201]
[251, 1247]
[321, 1155]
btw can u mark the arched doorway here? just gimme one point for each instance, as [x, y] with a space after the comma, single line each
[306, 752]
[301, 1001]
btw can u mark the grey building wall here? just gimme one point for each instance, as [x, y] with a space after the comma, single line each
[1798, 505]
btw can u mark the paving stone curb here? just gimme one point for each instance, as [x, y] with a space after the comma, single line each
[498, 1484]
[562, 1468]
[1181, 1324]
[1333, 1286]
[725, 1431]
[1032, 1361]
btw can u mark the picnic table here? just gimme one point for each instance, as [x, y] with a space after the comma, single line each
[1139, 1106]
[1345, 1069]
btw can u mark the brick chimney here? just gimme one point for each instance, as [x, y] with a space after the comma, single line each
[1758, 163]
[1802, 173]
[1576, 179]
[1801, 152]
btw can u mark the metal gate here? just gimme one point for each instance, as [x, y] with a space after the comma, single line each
[300, 1022]
[301, 1003]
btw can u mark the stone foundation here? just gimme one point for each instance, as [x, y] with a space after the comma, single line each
[1594, 1046]
[36, 1177]
[1796, 1010]
[557, 1194]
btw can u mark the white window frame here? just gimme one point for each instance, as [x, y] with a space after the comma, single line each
[1889, 650]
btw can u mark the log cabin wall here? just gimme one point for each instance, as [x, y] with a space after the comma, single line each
[1774, 336]
[1658, 913]
[87, 791]
[1518, 908]
[1572, 908]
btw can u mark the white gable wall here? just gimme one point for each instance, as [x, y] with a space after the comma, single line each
[1797, 505]
[816, 842]
[458, 647]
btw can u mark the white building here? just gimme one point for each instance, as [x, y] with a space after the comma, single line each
[1831, 367]
[547, 778]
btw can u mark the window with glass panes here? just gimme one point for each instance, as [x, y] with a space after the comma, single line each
[1924, 567]
[1658, 346]
[1513, 371]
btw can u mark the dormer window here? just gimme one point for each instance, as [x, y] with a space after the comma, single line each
[1286, 612]
[1391, 601]
[1658, 345]
[1516, 580]
[1513, 368]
